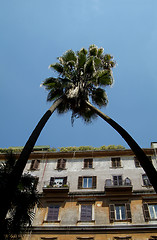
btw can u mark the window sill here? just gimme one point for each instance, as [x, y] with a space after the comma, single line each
[80, 221]
[115, 167]
[87, 168]
[33, 170]
[51, 221]
[147, 186]
[60, 169]
[121, 221]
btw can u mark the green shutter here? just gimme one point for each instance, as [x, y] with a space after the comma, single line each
[128, 212]
[112, 212]
[146, 212]
[80, 179]
[94, 181]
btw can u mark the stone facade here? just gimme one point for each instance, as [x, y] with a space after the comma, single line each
[93, 196]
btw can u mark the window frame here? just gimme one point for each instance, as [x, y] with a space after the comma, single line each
[92, 212]
[34, 165]
[52, 181]
[112, 212]
[61, 164]
[137, 163]
[146, 181]
[116, 162]
[81, 179]
[49, 214]
[146, 211]
[88, 163]
[118, 180]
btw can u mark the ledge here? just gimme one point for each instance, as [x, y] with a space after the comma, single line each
[130, 228]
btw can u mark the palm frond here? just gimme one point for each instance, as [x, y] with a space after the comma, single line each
[57, 67]
[99, 97]
[80, 76]
[69, 55]
[54, 94]
[100, 52]
[89, 67]
[81, 59]
[93, 50]
[105, 78]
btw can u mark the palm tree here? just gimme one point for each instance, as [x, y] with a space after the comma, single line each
[82, 77]
[21, 211]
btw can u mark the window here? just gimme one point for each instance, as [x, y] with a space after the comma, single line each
[58, 181]
[87, 182]
[88, 163]
[86, 238]
[120, 212]
[116, 163]
[122, 238]
[150, 211]
[34, 164]
[146, 181]
[137, 163]
[117, 180]
[61, 163]
[47, 238]
[53, 212]
[86, 212]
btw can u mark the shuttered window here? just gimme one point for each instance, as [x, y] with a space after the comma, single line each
[88, 163]
[116, 162]
[34, 164]
[87, 182]
[86, 212]
[150, 211]
[53, 212]
[120, 212]
[61, 163]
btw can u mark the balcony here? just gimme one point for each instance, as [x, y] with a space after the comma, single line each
[55, 187]
[115, 186]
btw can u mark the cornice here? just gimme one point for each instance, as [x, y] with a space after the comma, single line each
[129, 228]
[83, 154]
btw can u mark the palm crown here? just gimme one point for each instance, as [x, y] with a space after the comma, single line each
[81, 76]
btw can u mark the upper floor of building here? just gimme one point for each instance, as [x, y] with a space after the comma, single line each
[98, 171]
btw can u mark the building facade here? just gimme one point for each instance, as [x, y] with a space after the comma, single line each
[93, 195]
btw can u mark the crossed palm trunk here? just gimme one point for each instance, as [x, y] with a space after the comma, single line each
[24, 156]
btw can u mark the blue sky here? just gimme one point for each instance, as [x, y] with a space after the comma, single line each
[35, 32]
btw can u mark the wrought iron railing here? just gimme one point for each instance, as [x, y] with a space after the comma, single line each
[113, 183]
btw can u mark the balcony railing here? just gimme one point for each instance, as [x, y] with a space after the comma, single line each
[48, 187]
[124, 185]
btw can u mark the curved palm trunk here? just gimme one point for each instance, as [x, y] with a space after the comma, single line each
[14, 178]
[139, 153]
